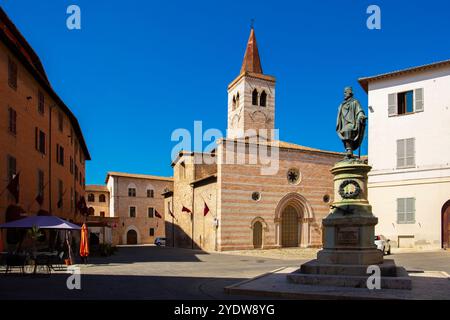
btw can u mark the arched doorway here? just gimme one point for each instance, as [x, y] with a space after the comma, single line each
[131, 237]
[257, 235]
[446, 225]
[289, 227]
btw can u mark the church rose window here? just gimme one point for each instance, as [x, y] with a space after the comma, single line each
[256, 196]
[293, 176]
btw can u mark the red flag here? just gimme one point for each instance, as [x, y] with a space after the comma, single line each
[205, 210]
[157, 214]
[13, 187]
[186, 210]
[39, 199]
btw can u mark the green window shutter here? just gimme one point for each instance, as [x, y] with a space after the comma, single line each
[392, 104]
[418, 100]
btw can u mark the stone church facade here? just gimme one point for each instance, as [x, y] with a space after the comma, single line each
[230, 205]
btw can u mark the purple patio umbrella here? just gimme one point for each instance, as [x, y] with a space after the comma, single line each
[42, 222]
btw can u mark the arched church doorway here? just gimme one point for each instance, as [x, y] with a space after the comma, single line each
[131, 237]
[289, 227]
[446, 225]
[257, 235]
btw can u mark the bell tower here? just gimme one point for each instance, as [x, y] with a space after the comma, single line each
[251, 97]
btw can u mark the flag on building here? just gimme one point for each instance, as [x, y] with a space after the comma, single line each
[39, 199]
[157, 214]
[13, 187]
[186, 210]
[206, 209]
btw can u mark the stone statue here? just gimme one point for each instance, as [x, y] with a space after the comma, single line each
[351, 123]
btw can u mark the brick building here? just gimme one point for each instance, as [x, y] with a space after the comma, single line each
[227, 205]
[43, 151]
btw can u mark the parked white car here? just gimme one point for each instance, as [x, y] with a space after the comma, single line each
[160, 241]
[383, 244]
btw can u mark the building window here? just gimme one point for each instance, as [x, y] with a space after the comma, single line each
[40, 186]
[59, 154]
[234, 103]
[76, 148]
[182, 171]
[406, 153]
[60, 193]
[60, 121]
[12, 166]
[12, 126]
[102, 198]
[41, 102]
[76, 173]
[71, 165]
[102, 213]
[256, 196]
[151, 232]
[39, 140]
[151, 212]
[150, 193]
[132, 212]
[12, 74]
[132, 192]
[255, 97]
[406, 102]
[406, 210]
[263, 99]
[91, 197]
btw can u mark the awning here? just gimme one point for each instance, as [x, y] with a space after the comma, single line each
[42, 222]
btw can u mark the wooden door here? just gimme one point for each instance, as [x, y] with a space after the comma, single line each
[257, 235]
[446, 225]
[131, 237]
[289, 227]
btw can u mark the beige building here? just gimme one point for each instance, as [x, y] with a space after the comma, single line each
[229, 199]
[130, 204]
[43, 151]
[97, 197]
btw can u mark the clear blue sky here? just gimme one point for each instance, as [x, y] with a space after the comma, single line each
[137, 70]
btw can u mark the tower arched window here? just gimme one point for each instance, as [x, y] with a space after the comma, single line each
[263, 99]
[237, 99]
[234, 102]
[255, 97]
[102, 198]
[91, 197]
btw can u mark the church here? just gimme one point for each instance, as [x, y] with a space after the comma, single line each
[232, 202]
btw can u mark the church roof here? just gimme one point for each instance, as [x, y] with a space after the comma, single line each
[251, 62]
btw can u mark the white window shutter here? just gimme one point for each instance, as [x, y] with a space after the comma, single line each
[410, 209]
[392, 104]
[400, 153]
[410, 152]
[400, 210]
[418, 100]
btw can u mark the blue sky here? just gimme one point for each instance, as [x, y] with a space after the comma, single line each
[137, 70]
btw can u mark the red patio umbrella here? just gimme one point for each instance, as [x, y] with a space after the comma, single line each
[84, 242]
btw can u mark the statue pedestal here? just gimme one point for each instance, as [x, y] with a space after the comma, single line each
[349, 237]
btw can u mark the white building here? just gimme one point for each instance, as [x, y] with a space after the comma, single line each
[409, 151]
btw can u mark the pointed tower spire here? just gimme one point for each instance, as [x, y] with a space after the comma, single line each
[251, 62]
